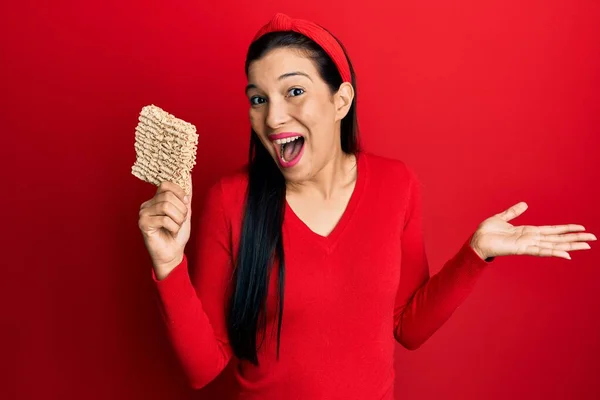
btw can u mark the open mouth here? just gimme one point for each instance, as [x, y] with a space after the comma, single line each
[289, 150]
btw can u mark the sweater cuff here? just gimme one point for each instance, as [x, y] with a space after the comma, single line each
[468, 244]
[470, 261]
[176, 294]
[174, 272]
[175, 287]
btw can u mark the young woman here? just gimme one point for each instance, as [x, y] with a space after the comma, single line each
[311, 261]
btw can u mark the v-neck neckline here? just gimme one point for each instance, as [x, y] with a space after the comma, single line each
[329, 242]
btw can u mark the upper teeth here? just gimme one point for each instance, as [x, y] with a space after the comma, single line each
[287, 140]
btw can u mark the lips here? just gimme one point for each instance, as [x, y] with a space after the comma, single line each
[279, 136]
[293, 161]
[277, 145]
[283, 135]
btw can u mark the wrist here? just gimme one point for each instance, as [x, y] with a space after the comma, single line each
[163, 270]
[474, 245]
[479, 254]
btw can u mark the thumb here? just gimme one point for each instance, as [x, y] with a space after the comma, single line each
[514, 211]
[188, 187]
[190, 195]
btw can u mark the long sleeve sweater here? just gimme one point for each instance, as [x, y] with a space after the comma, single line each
[349, 296]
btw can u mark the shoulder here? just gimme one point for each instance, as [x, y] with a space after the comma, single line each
[229, 191]
[389, 170]
[234, 184]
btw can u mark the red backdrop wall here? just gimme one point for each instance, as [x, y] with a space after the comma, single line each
[490, 102]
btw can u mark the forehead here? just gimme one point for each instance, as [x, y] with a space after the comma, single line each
[278, 62]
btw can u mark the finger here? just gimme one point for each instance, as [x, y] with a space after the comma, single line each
[542, 252]
[163, 221]
[189, 206]
[166, 197]
[564, 246]
[167, 208]
[554, 229]
[514, 211]
[176, 201]
[145, 204]
[570, 237]
[171, 187]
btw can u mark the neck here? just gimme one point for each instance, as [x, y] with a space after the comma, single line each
[338, 173]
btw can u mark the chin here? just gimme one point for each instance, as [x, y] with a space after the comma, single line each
[292, 173]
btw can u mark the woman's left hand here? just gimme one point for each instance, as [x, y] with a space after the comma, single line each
[496, 237]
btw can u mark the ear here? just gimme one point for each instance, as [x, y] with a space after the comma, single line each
[343, 100]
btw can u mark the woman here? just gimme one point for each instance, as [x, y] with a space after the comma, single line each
[311, 261]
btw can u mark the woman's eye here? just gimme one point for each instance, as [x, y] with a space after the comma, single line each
[255, 100]
[296, 92]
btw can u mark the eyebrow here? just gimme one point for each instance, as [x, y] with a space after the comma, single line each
[286, 75]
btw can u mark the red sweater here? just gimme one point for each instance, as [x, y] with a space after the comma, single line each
[348, 296]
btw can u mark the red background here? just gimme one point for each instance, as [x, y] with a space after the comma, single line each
[490, 102]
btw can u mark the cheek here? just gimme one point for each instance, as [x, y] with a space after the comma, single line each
[252, 116]
[255, 119]
[311, 114]
[319, 119]
[257, 126]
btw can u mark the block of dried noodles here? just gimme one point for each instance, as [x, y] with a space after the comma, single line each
[165, 148]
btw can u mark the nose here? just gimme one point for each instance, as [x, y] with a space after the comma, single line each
[277, 114]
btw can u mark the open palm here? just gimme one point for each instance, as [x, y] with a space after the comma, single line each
[497, 237]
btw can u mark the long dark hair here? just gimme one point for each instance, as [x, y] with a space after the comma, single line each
[261, 242]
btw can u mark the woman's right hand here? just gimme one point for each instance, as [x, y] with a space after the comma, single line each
[165, 224]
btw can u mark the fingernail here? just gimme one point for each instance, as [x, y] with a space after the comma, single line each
[587, 246]
[186, 199]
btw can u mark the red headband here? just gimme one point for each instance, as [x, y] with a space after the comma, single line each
[281, 22]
